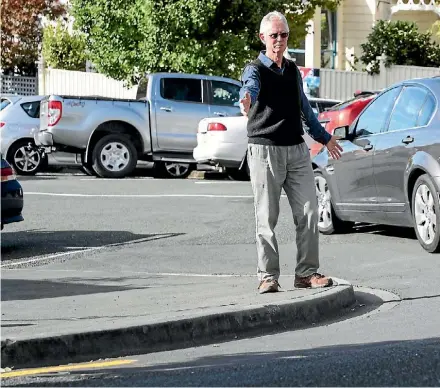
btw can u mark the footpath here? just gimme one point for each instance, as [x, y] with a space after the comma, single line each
[55, 317]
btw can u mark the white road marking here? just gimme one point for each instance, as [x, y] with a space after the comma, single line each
[35, 259]
[139, 195]
[117, 179]
[215, 182]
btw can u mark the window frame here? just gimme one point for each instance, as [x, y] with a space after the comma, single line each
[387, 120]
[429, 93]
[202, 90]
[211, 92]
[31, 102]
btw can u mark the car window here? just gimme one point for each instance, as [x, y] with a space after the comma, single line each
[4, 102]
[181, 89]
[427, 111]
[407, 108]
[326, 105]
[375, 116]
[32, 109]
[225, 93]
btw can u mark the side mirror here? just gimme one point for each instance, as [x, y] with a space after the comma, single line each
[341, 132]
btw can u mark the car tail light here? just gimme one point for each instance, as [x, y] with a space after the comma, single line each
[2, 124]
[55, 110]
[7, 174]
[216, 127]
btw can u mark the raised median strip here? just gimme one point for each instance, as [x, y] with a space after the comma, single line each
[289, 312]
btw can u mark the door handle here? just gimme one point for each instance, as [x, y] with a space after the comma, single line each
[166, 108]
[368, 147]
[408, 139]
[221, 114]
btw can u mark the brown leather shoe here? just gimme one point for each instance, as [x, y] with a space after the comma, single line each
[315, 280]
[270, 285]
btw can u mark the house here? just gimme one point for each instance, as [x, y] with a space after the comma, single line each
[335, 38]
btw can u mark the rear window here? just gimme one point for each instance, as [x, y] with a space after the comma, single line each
[32, 109]
[347, 103]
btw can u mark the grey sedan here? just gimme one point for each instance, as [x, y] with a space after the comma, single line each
[389, 172]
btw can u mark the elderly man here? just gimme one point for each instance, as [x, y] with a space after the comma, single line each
[272, 97]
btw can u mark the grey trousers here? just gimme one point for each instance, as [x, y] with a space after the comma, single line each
[273, 168]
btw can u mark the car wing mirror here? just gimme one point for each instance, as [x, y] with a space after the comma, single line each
[341, 132]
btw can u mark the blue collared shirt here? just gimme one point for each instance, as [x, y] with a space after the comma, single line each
[251, 84]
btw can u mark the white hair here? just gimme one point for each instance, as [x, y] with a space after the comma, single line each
[267, 20]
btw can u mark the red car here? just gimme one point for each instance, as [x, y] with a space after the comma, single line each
[342, 114]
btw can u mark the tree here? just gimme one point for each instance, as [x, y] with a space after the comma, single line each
[128, 38]
[402, 43]
[21, 32]
[62, 49]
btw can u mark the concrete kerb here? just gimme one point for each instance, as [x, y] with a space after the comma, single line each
[228, 323]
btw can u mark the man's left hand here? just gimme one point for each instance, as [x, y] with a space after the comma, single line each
[334, 148]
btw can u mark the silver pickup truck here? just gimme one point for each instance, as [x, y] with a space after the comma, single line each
[110, 136]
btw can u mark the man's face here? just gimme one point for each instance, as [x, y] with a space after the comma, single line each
[275, 37]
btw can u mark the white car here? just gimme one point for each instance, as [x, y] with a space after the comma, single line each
[222, 141]
[19, 116]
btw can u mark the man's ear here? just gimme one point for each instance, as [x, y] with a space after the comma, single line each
[261, 35]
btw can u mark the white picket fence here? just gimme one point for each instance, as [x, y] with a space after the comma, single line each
[341, 85]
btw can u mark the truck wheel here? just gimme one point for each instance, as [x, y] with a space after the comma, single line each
[87, 167]
[173, 170]
[25, 159]
[114, 156]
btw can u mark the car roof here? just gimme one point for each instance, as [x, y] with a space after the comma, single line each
[31, 98]
[432, 83]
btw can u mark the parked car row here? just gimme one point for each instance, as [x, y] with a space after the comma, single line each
[222, 142]
[111, 135]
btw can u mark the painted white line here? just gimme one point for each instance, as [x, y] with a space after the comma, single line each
[114, 179]
[36, 259]
[139, 195]
[215, 182]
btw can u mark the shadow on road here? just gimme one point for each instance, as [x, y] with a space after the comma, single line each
[26, 244]
[25, 289]
[390, 363]
[384, 230]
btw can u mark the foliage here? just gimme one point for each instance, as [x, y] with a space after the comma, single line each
[64, 50]
[402, 43]
[21, 32]
[127, 38]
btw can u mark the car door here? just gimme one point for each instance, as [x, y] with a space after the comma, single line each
[179, 107]
[224, 98]
[395, 147]
[354, 170]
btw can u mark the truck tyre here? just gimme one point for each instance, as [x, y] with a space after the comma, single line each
[173, 170]
[87, 167]
[26, 159]
[114, 156]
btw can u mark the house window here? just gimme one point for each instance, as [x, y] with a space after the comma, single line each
[328, 42]
[328, 39]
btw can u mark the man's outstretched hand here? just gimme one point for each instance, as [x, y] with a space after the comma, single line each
[334, 147]
[245, 104]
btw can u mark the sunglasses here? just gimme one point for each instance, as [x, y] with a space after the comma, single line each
[283, 35]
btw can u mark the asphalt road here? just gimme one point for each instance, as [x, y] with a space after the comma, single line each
[207, 227]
